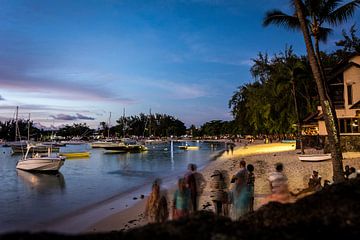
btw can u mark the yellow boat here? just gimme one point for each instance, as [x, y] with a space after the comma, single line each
[75, 154]
[186, 147]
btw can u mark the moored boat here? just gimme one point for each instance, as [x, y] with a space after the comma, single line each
[75, 154]
[186, 147]
[127, 148]
[39, 162]
[314, 157]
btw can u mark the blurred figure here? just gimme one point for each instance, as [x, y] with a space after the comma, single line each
[240, 192]
[347, 172]
[196, 183]
[315, 181]
[251, 186]
[181, 200]
[218, 191]
[156, 209]
[353, 173]
[232, 148]
[278, 185]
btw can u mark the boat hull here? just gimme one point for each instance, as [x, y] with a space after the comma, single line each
[315, 157]
[44, 164]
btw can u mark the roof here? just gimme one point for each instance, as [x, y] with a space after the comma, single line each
[342, 69]
[356, 105]
[312, 117]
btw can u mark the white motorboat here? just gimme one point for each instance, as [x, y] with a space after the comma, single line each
[39, 162]
[315, 157]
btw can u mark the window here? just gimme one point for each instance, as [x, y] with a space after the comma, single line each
[349, 125]
[350, 96]
[342, 125]
[355, 125]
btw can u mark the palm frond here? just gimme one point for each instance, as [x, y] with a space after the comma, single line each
[343, 13]
[279, 18]
[324, 33]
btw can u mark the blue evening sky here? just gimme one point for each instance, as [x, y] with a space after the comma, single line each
[78, 60]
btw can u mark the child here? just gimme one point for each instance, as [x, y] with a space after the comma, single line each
[181, 200]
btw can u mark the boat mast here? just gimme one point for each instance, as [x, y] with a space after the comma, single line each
[124, 122]
[150, 123]
[16, 123]
[29, 128]
[109, 126]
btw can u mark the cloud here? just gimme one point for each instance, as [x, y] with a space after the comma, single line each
[31, 68]
[66, 117]
[82, 117]
[1, 98]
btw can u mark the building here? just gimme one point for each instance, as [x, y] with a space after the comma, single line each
[344, 90]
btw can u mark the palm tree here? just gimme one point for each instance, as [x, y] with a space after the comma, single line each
[316, 13]
[330, 118]
[289, 72]
[309, 17]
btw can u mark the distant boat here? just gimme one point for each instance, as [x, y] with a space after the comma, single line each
[186, 147]
[315, 157]
[127, 148]
[38, 162]
[75, 154]
[102, 144]
[18, 149]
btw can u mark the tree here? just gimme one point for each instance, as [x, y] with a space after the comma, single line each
[330, 118]
[316, 14]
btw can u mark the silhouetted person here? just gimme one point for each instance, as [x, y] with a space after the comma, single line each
[315, 181]
[156, 209]
[353, 173]
[196, 183]
[181, 200]
[347, 172]
[251, 186]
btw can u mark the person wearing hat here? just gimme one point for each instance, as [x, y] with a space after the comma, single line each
[315, 181]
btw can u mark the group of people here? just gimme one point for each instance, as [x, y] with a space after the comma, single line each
[350, 172]
[231, 197]
[185, 199]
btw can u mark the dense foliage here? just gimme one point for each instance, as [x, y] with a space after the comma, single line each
[283, 92]
[7, 130]
[156, 125]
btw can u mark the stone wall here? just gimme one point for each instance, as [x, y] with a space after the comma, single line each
[348, 144]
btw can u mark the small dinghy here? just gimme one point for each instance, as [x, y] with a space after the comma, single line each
[315, 157]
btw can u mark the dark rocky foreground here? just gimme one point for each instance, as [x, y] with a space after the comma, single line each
[330, 213]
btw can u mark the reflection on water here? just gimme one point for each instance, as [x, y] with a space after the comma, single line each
[37, 198]
[44, 183]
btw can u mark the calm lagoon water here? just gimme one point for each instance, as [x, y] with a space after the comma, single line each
[34, 198]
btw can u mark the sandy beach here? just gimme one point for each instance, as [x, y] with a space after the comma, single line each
[262, 156]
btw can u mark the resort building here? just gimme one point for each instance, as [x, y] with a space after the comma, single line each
[344, 90]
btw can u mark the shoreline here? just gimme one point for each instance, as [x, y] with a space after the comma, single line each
[111, 217]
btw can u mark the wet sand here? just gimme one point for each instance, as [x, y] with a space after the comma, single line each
[262, 156]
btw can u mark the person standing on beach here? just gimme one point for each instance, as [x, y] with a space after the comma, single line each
[251, 186]
[196, 183]
[218, 191]
[240, 192]
[232, 148]
[156, 209]
[278, 185]
[181, 200]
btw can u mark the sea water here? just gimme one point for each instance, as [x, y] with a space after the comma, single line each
[29, 199]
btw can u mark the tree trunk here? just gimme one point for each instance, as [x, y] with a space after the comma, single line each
[329, 117]
[297, 116]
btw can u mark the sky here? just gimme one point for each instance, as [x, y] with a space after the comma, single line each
[77, 61]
